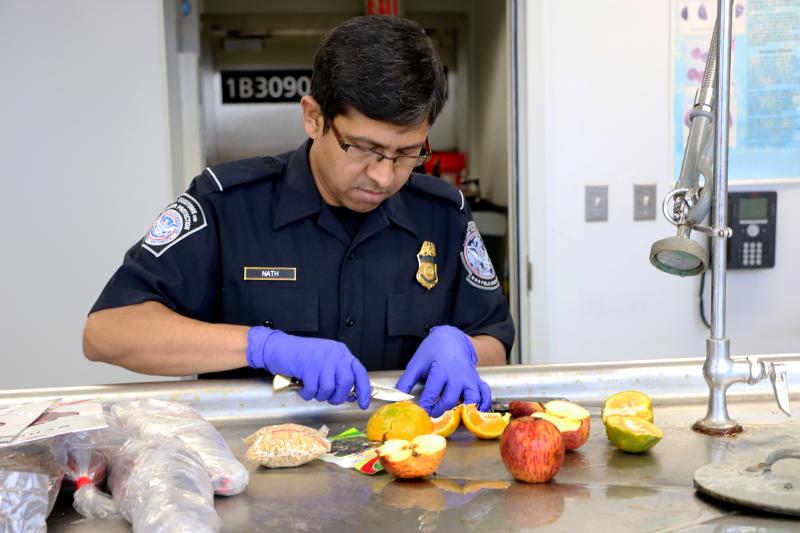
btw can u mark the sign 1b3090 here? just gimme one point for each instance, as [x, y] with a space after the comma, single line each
[264, 86]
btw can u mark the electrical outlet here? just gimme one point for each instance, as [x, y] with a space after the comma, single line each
[596, 203]
[644, 202]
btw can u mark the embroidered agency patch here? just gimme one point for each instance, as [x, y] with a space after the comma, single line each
[480, 271]
[177, 221]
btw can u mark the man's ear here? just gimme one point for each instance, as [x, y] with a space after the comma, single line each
[313, 120]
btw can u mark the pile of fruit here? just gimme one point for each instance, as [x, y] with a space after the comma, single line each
[414, 443]
[532, 445]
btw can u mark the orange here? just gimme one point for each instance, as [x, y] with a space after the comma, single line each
[402, 420]
[484, 425]
[447, 424]
[629, 403]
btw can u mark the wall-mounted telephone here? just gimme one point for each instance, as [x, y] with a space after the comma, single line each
[751, 216]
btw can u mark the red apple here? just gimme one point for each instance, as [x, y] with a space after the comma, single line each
[519, 408]
[532, 449]
[572, 412]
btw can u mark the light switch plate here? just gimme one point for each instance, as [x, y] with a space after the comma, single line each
[596, 203]
[644, 201]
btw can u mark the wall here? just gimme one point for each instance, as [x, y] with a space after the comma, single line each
[490, 127]
[86, 157]
[598, 82]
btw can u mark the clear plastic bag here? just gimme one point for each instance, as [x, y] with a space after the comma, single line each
[83, 456]
[163, 487]
[35, 458]
[287, 445]
[23, 502]
[156, 419]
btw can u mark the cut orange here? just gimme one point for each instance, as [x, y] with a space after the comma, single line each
[484, 425]
[447, 424]
[632, 434]
[402, 420]
[629, 403]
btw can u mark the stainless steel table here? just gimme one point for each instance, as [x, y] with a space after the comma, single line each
[598, 487]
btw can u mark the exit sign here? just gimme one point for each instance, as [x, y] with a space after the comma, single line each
[383, 7]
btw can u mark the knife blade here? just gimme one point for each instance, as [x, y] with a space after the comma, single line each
[379, 392]
[501, 404]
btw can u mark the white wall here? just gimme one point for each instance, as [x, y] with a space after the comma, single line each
[489, 100]
[86, 156]
[598, 82]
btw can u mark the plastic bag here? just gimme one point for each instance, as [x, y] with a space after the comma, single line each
[163, 486]
[156, 419]
[35, 458]
[83, 456]
[287, 445]
[24, 503]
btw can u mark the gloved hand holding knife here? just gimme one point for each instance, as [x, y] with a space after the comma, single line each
[327, 368]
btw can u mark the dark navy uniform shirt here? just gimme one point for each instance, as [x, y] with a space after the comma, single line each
[251, 242]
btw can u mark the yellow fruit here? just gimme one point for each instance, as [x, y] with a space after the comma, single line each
[632, 434]
[402, 420]
[629, 403]
[484, 425]
[447, 424]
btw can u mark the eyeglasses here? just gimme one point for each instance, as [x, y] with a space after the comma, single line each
[405, 163]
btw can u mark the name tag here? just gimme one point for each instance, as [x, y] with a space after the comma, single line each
[270, 274]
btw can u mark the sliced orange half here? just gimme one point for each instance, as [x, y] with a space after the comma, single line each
[484, 425]
[447, 424]
[629, 403]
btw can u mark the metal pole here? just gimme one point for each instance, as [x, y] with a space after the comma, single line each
[720, 370]
[719, 213]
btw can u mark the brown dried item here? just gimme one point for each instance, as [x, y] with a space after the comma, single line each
[287, 445]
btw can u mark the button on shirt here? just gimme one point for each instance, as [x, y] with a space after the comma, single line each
[251, 242]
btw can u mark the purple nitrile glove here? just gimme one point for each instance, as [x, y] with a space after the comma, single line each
[327, 368]
[447, 357]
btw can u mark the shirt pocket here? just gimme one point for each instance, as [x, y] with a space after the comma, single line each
[414, 314]
[289, 310]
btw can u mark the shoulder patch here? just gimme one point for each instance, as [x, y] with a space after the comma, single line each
[480, 271]
[438, 187]
[177, 221]
[233, 173]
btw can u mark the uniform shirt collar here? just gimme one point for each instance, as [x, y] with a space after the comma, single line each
[396, 209]
[300, 197]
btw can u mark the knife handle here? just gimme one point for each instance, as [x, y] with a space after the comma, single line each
[281, 382]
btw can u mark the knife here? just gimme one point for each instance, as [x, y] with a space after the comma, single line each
[501, 404]
[379, 392]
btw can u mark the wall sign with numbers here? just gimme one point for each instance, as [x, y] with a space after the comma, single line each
[264, 86]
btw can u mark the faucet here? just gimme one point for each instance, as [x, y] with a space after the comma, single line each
[721, 371]
[687, 206]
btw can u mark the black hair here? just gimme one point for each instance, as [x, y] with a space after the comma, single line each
[384, 67]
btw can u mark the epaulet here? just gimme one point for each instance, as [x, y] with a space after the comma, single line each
[431, 186]
[226, 175]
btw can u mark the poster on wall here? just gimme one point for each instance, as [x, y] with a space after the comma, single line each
[764, 136]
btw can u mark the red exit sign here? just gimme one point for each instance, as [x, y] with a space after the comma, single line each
[383, 7]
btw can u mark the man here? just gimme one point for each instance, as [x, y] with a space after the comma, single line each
[324, 262]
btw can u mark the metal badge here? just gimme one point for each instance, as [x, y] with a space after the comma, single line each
[427, 275]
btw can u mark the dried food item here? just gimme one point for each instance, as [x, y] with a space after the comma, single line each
[156, 419]
[287, 445]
